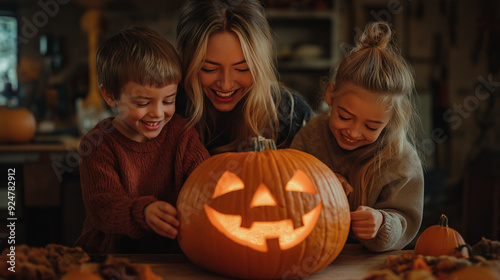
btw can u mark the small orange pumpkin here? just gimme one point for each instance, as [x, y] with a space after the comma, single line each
[271, 214]
[438, 240]
[16, 125]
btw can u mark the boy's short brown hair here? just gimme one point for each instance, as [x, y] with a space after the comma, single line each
[137, 54]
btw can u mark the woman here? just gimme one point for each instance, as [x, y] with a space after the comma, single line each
[230, 77]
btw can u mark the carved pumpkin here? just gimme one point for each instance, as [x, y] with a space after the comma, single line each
[438, 240]
[16, 125]
[266, 214]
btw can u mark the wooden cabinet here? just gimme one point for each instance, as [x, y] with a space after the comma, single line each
[307, 42]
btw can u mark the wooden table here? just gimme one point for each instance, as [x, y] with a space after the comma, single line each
[46, 171]
[44, 160]
[44, 143]
[353, 263]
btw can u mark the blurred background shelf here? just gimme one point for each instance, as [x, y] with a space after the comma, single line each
[307, 39]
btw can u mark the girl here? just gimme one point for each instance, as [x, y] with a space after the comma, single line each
[367, 138]
[230, 77]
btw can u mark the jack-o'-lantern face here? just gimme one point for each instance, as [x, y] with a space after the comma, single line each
[271, 214]
[256, 235]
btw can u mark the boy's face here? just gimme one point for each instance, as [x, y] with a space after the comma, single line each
[357, 117]
[143, 111]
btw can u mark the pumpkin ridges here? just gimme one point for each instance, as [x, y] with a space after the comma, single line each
[335, 196]
[186, 211]
[298, 205]
[293, 201]
[268, 177]
[328, 221]
[438, 240]
[301, 260]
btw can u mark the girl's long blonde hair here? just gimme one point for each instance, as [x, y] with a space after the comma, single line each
[375, 64]
[197, 21]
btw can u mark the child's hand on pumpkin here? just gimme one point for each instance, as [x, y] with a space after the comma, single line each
[161, 217]
[365, 222]
[347, 187]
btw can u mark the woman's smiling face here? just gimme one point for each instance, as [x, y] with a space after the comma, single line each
[357, 117]
[225, 76]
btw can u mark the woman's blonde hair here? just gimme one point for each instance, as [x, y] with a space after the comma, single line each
[245, 18]
[376, 65]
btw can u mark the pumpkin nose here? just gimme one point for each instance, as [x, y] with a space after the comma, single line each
[263, 197]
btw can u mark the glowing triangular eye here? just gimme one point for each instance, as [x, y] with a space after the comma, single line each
[263, 197]
[300, 182]
[228, 182]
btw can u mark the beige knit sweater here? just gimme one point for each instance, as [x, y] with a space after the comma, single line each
[398, 193]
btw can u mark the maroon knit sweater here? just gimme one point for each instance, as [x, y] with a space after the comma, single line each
[120, 177]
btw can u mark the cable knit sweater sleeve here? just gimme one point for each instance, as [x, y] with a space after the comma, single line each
[189, 156]
[110, 208]
[120, 177]
[398, 195]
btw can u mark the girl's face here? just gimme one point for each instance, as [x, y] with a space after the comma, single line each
[143, 111]
[225, 76]
[358, 116]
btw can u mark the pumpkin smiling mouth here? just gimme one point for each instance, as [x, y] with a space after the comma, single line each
[255, 237]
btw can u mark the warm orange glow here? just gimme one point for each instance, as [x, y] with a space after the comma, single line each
[300, 182]
[228, 182]
[263, 197]
[255, 237]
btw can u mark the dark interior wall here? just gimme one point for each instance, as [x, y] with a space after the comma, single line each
[453, 46]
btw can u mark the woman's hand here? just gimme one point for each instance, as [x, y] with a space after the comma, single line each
[347, 187]
[365, 222]
[162, 218]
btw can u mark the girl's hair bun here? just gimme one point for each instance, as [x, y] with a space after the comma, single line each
[376, 34]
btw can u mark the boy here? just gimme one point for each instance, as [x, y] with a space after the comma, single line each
[133, 166]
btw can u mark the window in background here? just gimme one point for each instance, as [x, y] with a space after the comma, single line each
[8, 57]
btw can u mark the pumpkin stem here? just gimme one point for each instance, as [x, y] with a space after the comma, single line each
[260, 143]
[443, 220]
